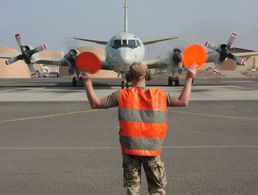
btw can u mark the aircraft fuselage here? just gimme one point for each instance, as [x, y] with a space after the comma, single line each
[123, 50]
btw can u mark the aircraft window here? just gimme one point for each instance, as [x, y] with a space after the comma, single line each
[138, 43]
[132, 44]
[117, 43]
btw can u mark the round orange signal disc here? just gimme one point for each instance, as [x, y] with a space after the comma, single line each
[194, 54]
[88, 61]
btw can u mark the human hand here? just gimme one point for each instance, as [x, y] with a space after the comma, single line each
[85, 75]
[191, 72]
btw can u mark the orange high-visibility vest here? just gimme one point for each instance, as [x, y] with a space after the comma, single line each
[143, 121]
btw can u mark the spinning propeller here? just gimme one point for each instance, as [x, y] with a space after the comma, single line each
[224, 50]
[170, 53]
[80, 61]
[26, 51]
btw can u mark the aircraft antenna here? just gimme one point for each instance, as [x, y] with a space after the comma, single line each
[125, 17]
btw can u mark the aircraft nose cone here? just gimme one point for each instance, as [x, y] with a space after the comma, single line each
[127, 57]
[127, 60]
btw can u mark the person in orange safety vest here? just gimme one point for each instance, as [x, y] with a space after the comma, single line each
[142, 115]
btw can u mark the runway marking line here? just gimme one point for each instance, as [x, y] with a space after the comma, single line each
[47, 116]
[116, 147]
[215, 115]
[94, 110]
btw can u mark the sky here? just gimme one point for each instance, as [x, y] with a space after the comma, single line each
[53, 21]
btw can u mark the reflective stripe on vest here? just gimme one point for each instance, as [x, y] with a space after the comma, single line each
[143, 121]
[146, 116]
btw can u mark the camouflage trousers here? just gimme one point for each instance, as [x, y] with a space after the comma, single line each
[154, 171]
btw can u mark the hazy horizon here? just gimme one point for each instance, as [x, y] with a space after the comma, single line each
[50, 22]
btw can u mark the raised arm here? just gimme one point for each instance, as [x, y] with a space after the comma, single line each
[184, 97]
[94, 101]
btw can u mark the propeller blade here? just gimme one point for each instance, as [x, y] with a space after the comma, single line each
[11, 60]
[39, 48]
[239, 61]
[19, 40]
[231, 39]
[31, 68]
[211, 46]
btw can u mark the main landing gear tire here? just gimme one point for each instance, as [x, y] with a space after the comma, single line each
[124, 84]
[176, 81]
[77, 82]
[74, 82]
[172, 79]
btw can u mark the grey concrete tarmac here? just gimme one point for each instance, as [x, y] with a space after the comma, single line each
[64, 147]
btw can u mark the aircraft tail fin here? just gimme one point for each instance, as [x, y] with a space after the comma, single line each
[125, 17]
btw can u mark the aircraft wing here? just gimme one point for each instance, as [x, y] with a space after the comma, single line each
[158, 40]
[246, 54]
[56, 62]
[65, 62]
[91, 40]
[5, 57]
[156, 64]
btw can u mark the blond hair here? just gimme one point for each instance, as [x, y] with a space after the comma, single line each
[138, 70]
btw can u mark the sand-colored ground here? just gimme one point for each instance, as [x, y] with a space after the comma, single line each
[18, 69]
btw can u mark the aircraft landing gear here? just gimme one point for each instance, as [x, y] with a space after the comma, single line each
[80, 83]
[173, 79]
[77, 82]
[177, 81]
[170, 81]
[74, 82]
[124, 84]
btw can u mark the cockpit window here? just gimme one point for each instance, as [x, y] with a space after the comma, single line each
[117, 44]
[138, 43]
[131, 43]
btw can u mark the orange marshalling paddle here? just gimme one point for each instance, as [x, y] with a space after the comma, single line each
[194, 54]
[89, 62]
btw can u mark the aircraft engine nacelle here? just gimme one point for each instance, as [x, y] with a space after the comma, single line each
[174, 61]
[176, 56]
[70, 59]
